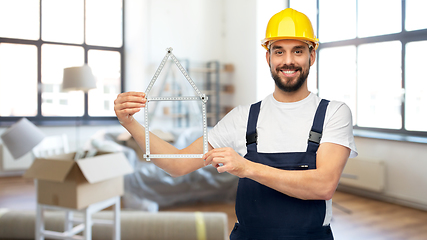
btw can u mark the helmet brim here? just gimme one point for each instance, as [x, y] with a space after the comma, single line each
[265, 41]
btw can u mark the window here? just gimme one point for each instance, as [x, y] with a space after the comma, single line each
[38, 39]
[415, 86]
[371, 58]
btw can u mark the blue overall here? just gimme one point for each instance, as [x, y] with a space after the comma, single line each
[264, 213]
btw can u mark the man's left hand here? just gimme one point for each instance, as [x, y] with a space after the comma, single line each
[227, 160]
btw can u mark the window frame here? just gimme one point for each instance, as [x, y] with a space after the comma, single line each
[39, 119]
[403, 37]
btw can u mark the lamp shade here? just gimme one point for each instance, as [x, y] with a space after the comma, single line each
[22, 137]
[78, 78]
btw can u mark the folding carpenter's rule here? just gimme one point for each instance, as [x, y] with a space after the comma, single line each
[200, 97]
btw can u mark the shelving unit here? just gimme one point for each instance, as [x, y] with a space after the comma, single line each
[210, 79]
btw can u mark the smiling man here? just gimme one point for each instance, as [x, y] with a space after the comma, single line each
[288, 150]
[290, 62]
[291, 70]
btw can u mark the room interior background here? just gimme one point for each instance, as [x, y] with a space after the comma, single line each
[229, 32]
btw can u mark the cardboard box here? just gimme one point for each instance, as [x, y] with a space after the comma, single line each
[65, 182]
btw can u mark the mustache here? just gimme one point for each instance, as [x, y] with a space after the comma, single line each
[288, 67]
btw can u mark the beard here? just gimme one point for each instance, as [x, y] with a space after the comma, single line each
[289, 86]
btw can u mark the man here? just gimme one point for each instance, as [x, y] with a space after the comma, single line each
[295, 145]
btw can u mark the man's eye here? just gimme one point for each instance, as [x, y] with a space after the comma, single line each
[298, 51]
[279, 52]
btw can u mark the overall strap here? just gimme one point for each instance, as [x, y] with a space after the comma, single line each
[251, 134]
[317, 128]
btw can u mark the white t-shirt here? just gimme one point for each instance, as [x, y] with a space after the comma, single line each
[284, 127]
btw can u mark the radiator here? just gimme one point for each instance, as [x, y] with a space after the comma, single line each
[363, 173]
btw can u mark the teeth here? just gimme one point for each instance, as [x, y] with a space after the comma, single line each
[288, 72]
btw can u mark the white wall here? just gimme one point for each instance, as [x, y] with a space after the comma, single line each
[406, 167]
[241, 42]
[136, 31]
[193, 28]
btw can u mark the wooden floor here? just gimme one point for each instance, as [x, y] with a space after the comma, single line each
[355, 218]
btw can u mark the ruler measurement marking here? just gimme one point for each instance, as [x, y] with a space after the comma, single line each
[173, 99]
[173, 156]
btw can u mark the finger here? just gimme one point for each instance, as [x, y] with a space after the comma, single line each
[206, 157]
[133, 93]
[132, 99]
[209, 156]
[130, 105]
[213, 151]
[121, 110]
[217, 165]
[214, 159]
[128, 95]
[216, 153]
[221, 169]
[218, 161]
[208, 160]
[128, 111]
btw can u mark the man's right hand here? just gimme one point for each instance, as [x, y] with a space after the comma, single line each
[127, 104]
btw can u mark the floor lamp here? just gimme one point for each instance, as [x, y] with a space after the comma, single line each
[78, 78]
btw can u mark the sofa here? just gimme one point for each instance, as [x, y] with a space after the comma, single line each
[135, 225]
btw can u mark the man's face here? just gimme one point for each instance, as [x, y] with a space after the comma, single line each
[290, 62]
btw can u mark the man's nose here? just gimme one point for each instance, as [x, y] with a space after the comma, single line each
[287, 59]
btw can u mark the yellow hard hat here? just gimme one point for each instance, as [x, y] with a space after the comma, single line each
[289, 24]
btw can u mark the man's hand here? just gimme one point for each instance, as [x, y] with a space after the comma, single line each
[227, 160]
[127, 104]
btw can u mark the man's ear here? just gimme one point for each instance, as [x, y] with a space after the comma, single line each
[267, 57]
[312, 57]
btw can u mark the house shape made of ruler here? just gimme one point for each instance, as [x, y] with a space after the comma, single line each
[200, 97]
